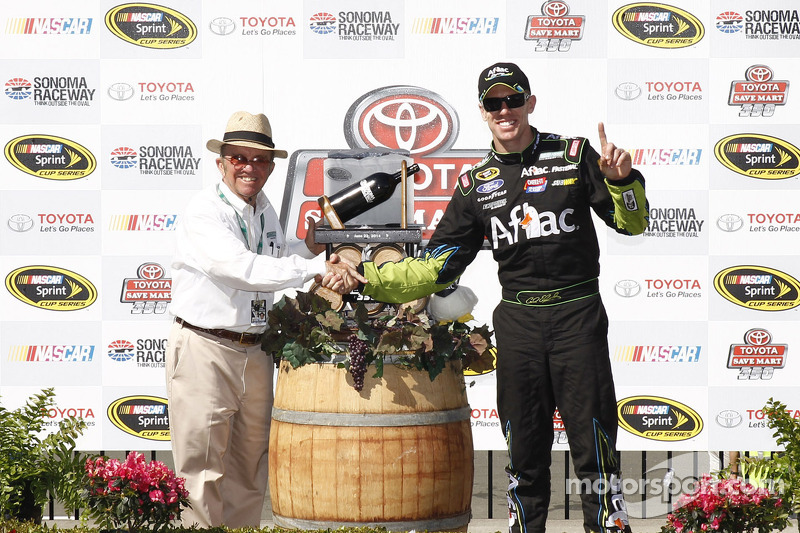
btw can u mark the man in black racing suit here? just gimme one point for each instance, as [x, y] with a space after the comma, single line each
[532, 198]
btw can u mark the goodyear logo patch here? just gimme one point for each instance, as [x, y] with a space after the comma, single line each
[658, 25]
[759, 288]
[151, 26]
[50, 157]
[146, 417]
[655, 418]
[758, 156]
[53, 288]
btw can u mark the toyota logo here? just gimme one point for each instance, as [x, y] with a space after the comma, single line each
[405, 118]
[20, 222]
[757, 337]
[627, 288]
[120, 91]
[758, 73]
[555, 8]
[222, 26]
[730, 222]
[150, 271]
[729, 418]
[628, 91]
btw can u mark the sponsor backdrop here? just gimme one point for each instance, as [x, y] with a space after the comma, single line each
[107, 107]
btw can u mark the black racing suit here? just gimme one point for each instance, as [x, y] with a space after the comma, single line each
[534, 208]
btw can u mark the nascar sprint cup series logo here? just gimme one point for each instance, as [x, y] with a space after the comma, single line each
[146, 417]
[758, 156]
[151, 26]
[759, 288]
[658, 25]
[655, 418]
[53, 288]
[50, 157]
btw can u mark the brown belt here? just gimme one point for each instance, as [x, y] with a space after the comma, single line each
[241, 338]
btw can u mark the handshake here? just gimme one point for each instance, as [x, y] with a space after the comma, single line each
[341, 275]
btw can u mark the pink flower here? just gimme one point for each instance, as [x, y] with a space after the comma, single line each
[159, 494]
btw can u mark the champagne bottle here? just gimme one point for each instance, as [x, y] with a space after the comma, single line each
[362, 196]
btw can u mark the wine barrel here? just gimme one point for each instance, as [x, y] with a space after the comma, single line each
[396, 455]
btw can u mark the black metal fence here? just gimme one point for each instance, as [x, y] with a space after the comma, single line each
[651, 482]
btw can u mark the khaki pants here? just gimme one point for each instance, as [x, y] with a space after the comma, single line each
[220, 401]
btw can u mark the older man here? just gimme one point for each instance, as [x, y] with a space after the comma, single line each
[231, 258]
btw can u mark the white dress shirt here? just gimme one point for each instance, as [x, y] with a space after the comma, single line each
[216, 275]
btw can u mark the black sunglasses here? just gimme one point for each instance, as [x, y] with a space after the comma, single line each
[512, 101]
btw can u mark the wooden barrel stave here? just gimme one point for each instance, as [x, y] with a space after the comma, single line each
[415, 476]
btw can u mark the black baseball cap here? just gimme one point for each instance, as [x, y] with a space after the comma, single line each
[507, 74]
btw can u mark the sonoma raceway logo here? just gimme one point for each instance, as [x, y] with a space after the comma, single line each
[762, 24]
[356, 25]
[674, 222]
[146, 353]
[164, 160]
[52, 91]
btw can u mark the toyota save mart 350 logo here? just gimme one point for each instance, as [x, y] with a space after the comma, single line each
[410, 120]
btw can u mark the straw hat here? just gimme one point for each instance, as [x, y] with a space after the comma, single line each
[245, 129]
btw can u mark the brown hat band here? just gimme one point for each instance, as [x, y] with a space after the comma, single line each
[248, 136]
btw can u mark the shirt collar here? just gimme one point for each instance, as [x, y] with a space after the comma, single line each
[240, 205]
[509, 158]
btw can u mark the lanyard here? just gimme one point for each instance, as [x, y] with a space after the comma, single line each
[243, 226]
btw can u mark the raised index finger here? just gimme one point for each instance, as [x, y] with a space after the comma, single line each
[601, 131]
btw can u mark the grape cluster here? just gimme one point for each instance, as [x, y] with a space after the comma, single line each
[358, 361]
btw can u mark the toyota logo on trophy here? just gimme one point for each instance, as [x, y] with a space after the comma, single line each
[381, 198]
